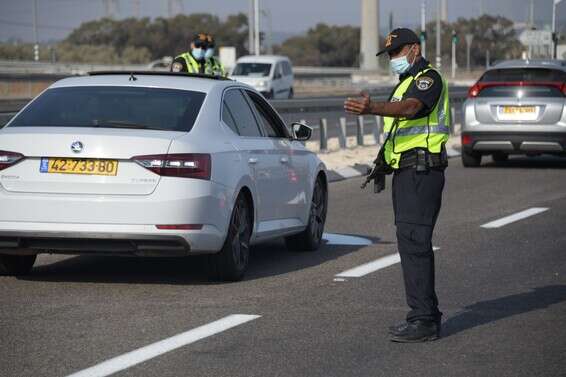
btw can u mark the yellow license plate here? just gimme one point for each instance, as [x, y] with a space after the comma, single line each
[518, 109]
[79, 166]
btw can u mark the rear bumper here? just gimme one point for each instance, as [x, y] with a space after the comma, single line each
[514, 143]
[140, 240]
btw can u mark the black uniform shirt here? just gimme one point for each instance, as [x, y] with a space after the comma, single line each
[427, 88]
[180, 65]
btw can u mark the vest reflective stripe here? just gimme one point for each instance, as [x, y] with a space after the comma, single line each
[430, 132]
[192, 65]
[421, 130]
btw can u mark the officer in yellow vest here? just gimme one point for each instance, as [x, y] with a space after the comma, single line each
[193, 61]
[213, 65]
[416, 128]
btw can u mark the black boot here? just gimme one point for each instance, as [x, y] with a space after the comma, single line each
[415, 332]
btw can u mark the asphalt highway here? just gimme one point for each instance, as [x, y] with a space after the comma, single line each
[501, 281]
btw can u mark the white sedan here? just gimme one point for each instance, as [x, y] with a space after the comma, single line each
[155, 164]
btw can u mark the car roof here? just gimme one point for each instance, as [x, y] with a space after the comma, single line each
[531, 63]
[262, 59]
[166, 80]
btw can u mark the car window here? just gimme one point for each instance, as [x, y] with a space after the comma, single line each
[523, 74]
[240, 114]
[113, 107]
[268, 119]
[287, 69]
[228, 118]
[252, 69]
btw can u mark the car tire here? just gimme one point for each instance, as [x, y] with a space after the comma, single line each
[500, 157]
[16, 265]
[471, 159]
[311, 238]
[231, 263]
[291, 93]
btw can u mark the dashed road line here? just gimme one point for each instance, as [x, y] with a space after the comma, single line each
[370, 267]
[515, 217]
[151, 351]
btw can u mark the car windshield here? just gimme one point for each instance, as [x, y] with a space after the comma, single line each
[252, 69]
[113, 107]
[523, 74]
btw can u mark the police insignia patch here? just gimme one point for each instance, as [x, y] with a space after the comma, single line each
[424, 83]
[177, 67]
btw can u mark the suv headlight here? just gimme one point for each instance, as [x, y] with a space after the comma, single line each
[262, 84]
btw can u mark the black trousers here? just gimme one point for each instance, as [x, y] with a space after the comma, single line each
[417, 197]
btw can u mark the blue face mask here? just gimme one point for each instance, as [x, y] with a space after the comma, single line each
[401, 65]
[198, 53]
[209, 53]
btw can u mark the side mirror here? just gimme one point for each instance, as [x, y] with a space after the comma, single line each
[301, 132]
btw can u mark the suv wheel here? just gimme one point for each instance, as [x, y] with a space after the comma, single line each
[311, 237]
[231, 262]
[471, 159]
[16, 265]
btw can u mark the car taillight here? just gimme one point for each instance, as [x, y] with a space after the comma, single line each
[474, 90]
[563, 89]
[190, 165]
[466, 140]
[8, 159]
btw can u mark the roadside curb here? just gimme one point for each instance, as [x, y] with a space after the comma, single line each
[358, 170]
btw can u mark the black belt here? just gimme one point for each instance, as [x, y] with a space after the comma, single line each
[423, 160]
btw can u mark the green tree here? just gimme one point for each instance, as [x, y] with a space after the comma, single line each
[324, 45]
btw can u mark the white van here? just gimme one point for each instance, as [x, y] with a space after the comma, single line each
[272, 75]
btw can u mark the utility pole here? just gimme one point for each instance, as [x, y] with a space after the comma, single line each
[438, 15]
[469, 39]
[454, 41]
[423, 28]
[136, 7]
[35, 37]
[267, 14]
[257, 47]
[369, 38]
[251, 43]
[554, 35]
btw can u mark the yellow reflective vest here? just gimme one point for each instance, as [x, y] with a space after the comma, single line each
[212, 66]
[430, 132]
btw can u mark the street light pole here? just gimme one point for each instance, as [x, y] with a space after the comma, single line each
[423, 28]
[554, 36]
[438, 55]
[257, 47]
[35, 37]
[469, 38]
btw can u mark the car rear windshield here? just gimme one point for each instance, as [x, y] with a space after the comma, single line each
[113, 107]
[252, 69]
[521, 91]
[523, 74]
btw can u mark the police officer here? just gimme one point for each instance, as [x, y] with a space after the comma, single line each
[193, 61]
[416, 120]
[213, 65]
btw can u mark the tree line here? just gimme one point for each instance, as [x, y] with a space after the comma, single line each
[136, 41]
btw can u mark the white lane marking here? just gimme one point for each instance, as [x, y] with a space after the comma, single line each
[370, 267]
[339, 279]
[343, 239]
[150, 351]
[515, 217]
[435, 248]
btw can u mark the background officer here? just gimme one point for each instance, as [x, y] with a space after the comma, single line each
[416, 120]
[213, 65]
[194, 60]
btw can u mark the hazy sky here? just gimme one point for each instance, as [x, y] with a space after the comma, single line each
[56, 18]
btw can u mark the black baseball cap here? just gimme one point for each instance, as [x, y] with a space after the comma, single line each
[399, 38]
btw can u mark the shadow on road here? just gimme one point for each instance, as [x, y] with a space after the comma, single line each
[267, 259]
[540, 162]
[484, 312]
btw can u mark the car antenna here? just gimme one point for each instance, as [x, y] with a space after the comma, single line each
[132, 77]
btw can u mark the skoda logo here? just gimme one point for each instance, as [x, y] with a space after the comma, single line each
[77, 147]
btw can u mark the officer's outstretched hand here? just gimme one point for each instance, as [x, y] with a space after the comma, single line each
[358, 106]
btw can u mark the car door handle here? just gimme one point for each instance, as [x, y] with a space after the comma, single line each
[284, 160]
[252, 161]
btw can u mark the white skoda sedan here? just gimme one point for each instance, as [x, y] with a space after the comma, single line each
[155, 164]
